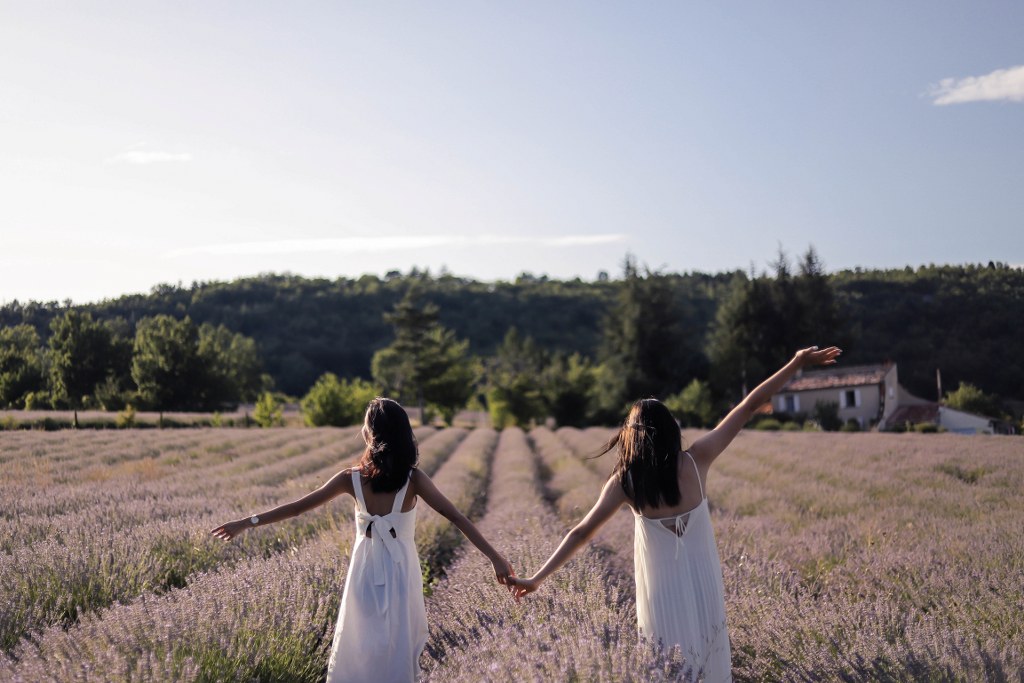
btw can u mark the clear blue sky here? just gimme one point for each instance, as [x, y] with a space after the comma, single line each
[155, 142]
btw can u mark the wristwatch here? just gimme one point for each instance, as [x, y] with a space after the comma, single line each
[255, 520]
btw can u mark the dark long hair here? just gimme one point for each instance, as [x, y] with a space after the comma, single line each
[391, 451]
[649, 443]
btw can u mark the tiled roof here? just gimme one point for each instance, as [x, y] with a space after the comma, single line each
[853, 376]
[928, 412]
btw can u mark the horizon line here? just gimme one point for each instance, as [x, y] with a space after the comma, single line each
[444, 272]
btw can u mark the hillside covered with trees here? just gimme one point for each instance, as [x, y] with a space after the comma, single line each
[576, 347]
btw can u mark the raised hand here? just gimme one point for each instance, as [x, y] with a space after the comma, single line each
[815, 356]
[228, 531]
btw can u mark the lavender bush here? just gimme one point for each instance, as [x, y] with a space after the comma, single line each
[144, 528]
[891, 557]
[582, 626]
[463, 480]
[265, 618]
[574, 488]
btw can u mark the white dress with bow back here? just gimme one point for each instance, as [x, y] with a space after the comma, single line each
[382, 622]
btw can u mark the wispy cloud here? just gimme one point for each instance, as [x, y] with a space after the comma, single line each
[389, 243]
[144, 157]
[583, 240]
[1001, 84]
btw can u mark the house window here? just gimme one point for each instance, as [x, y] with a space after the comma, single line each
[790, 403]
[850, 398]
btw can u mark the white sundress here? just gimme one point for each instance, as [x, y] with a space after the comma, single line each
[382, 622]
[680, 599]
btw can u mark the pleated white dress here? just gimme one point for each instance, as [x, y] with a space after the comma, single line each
[680, 599]
[382, 623]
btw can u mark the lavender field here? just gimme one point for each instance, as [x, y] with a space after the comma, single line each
[846, 557]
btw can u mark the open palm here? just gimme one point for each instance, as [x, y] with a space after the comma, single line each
[815, 356]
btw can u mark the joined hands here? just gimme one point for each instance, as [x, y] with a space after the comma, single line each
[522, 587]
[503, 572]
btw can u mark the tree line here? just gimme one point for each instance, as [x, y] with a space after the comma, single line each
[578, 351]
[163, 364]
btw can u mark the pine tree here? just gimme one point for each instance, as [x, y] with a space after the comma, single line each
[645, 350]
[426, 362]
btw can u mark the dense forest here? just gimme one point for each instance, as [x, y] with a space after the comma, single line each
[306, 326]
[966, 320]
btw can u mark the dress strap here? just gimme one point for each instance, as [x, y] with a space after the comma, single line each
[357, 487]
[400, 496]
[697, 471]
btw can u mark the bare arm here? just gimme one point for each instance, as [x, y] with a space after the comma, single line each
[611, 499]
[709, 446]
[334, 487]
[433, 497]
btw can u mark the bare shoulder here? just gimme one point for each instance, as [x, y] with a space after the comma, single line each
[418, 481]
[341, 482]
[705, 449]
[613, 490]
[685, 467]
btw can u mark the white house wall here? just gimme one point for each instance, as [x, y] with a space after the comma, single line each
[963, 423]
[865, 413]
[891, 387]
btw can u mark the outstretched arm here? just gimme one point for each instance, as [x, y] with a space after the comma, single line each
[433, 497]
[334, 487]
[612, 498]
[709, 446]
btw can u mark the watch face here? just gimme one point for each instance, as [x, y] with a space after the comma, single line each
[254, 519]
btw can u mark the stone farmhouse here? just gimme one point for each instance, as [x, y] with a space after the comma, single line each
[865, 393]
[872, 395]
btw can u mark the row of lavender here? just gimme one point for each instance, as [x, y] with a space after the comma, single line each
[581, 627]
[75, 542]
[867, 556]
[79, 543]
[845, 556]
[262, 618]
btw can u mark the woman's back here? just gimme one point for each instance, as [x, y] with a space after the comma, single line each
[691, 490]
[679, 592]
[383, 502]
[382, 625]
